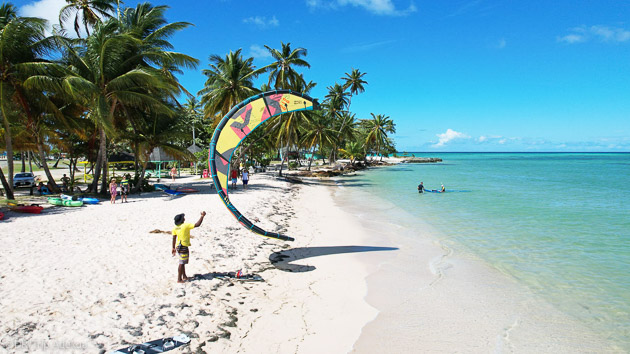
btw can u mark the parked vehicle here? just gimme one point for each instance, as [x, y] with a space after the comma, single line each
[24, 179]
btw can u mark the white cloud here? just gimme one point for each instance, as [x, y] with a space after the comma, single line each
[259, 52]
[367, 46]
[449, 136]
[598, 33]
[572, 38]
[263, 21]
[378, 7]
[46, 9]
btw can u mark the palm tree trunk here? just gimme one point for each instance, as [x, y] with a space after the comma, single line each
[7, 140]
[310, 160]
[51, 181]
[141, 178]
[23, 161]
[99, 160]
[30, 161]
[105, 179]
[5, 185]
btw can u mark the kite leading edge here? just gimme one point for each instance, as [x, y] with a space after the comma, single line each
[241, 120]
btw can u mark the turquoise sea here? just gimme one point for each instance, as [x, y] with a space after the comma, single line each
[559, 223]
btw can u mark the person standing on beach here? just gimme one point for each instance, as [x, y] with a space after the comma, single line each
[65, 180]
[124, 188]
[245, 177]
[421, 188]
[113, 190]
[173, 173]
[234, 175]
[181, 239]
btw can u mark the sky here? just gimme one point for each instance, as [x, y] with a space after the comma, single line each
[461, 75]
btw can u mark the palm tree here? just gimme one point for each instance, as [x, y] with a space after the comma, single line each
[282, 72]
[354, 81]
[354, 150]
[22, 41]
[89, 12]
[104, 79]
[157, 131]
[230, 81]
[193, 113]
[318, 133]
[377, 129]
[334, 103]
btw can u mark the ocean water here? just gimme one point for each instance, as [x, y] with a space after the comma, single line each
[559, 223]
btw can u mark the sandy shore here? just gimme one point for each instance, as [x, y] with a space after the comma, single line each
[94, 279]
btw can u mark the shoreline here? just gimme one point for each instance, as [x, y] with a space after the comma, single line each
[353, 281]
[434, 298]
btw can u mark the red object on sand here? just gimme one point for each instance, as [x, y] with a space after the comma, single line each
[33, 209]
[1, 215]
[186, 190]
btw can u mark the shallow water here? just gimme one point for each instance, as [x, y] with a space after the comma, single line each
[559, 223]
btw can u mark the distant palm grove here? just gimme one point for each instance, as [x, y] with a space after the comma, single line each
[105, 81]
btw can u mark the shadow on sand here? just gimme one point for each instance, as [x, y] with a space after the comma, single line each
[282, 260]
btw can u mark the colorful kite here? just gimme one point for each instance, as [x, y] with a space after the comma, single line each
[235, 126]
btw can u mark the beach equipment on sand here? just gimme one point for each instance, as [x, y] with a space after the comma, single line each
[240, 121]
[172, 192]
[160, 187]
[186, 190]
[32, 209]
[156, 346]
[85, 200]
[64, 202]
[1, 215]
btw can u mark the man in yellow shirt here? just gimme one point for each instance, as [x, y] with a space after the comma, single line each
[181, 239]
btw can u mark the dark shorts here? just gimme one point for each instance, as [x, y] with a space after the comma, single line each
[182, 252]
[245, 181]
[124, 190]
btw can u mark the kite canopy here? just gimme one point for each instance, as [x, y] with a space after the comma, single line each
[235, 126]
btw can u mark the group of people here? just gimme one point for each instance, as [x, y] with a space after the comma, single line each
[421, 188]
[244, 177]
[114, 188]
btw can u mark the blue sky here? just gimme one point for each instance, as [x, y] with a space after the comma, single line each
[453, 75]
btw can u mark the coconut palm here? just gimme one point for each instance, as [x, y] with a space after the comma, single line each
[353, 150]
[377, 129]
[157, 131]
[86, 12]
[354, 82]
[281, 72]
[22, 41]
[230, 81]
[104, 79]
[193, 113]
[318, 133]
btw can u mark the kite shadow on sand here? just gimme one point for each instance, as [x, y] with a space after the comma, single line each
[282, 259]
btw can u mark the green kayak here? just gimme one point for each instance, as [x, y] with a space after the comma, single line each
[64, 202]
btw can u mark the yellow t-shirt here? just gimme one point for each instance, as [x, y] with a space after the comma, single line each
[183, 234]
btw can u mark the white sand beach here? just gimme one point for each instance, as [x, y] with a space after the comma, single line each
[95, 279]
